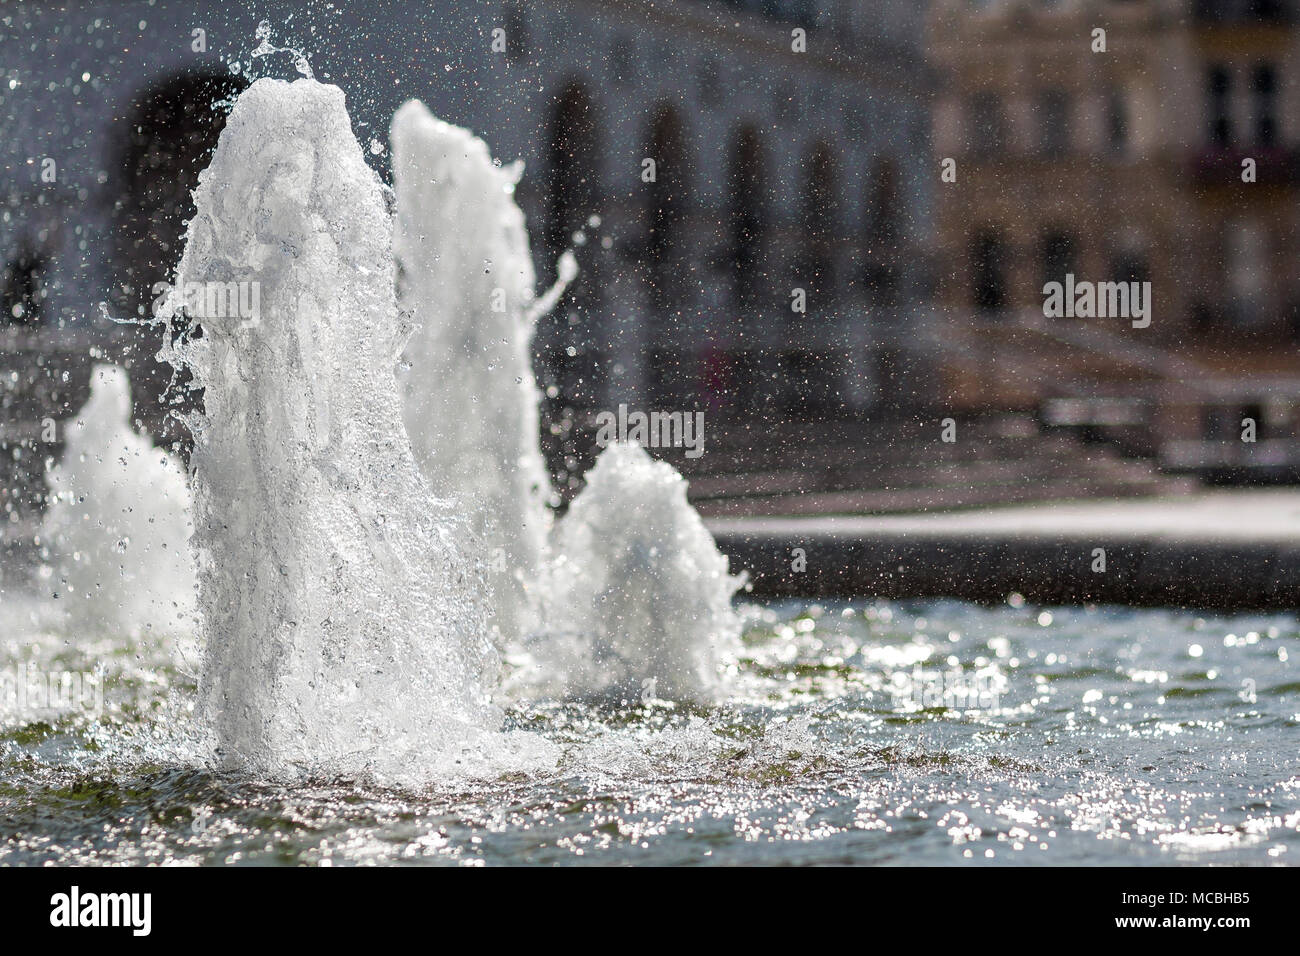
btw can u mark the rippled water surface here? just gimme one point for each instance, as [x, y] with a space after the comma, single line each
[937, 733]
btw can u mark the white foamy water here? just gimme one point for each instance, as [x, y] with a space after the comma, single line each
[637, 595]
[116, 532]
[345, 628]
[624, 604]
[348, 628]
[466, 279]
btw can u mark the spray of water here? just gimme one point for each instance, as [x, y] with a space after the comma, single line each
[466, 278]
[116, 531]
[344, 629]
[637, 595]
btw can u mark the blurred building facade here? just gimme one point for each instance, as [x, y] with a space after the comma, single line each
[1126, 164]
[789, 138]
[789, 143]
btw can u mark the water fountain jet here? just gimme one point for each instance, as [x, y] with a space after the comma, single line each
[637, 596]
[466, 279]
[116, 531]
[345, 626]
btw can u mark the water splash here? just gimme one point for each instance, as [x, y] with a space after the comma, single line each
[636, 598]
[117, 528]
[471, 401]
[637, 595]
[265, 49]
[345, 630]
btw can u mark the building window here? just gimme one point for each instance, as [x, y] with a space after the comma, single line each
[748, 219]
[1059, 256]
[516, 33]
[988, 268]
[571, 189]
[1054, 116]
[168, 138]
[1240, 11]
[1117, 121]
[1246, 257]
[666, 209]
[623, 61]
[709, 83]
[986, 125]
[569, 361]
[855, 120]
[1218, 89]
[1130, 266]
[882, 238]
[787, 105]
[802, 12]
[1264, 88]
[22, 299]
[816, 264]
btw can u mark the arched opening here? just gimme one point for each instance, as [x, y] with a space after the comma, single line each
[571, 169]
[988, 271]
[1054, 109]
[516, 28]
[1264, 94]
[665, 261]
[746, 181]
[817, 223]
[1058, 256]
[735, 376]
[570, 367]
[666, 205]
[1117, 120]
[1246, 258]
[986, 125]
[170, 133]
[23, 297]
[880, 273]
[1218, 91]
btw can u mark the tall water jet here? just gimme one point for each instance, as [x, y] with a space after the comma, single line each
[466, 278]
[345, 631]
[637, 595]
[118, 524]
[636, 589]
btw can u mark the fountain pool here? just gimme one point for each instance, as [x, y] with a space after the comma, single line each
[1115, 737]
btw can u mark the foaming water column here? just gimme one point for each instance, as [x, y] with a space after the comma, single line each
[466, 279]
[345, 632]
[117, 528]
[638, 597]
